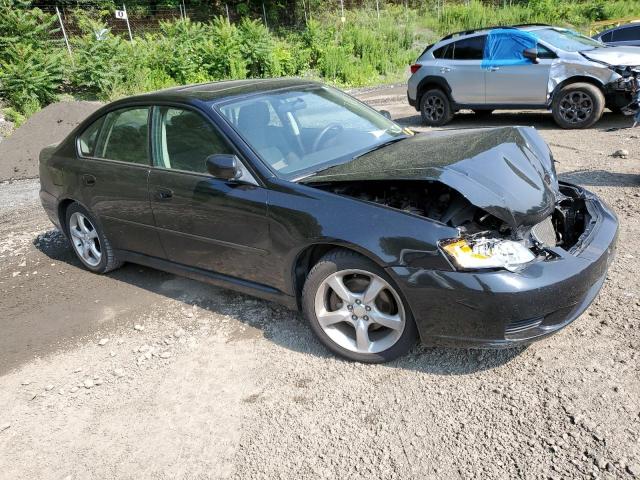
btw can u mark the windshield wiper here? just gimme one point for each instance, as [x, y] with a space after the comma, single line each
[380, 145]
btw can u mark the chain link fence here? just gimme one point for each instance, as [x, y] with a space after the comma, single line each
[139, 19]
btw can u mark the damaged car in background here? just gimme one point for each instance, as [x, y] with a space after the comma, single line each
[523, 67]
[298, 193]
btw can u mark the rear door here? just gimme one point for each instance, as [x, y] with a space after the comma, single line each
[461, 66]
[205, 222]
[112, 174]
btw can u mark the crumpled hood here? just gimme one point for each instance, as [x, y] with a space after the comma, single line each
[616, 56]
[506, 171]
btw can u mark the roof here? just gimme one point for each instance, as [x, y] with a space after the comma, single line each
[218, 90]
[523, 26]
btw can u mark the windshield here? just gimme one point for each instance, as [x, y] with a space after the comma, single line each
[567, 40]
[301, 131]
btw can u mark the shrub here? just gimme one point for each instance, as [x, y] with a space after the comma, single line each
[30, 78]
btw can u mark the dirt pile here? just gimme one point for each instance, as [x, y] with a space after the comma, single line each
[19, 152]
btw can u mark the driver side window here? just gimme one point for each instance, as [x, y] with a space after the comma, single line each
[183, 140]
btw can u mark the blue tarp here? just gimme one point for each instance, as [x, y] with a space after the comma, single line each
[504, 46]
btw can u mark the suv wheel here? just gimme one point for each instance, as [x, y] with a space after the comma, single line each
[88, 241]
[435, 108]
[355, 310]
[578, 105]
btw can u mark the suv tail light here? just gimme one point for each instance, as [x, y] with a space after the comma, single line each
[415, 67]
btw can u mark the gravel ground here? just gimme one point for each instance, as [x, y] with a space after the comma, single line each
[142, 374]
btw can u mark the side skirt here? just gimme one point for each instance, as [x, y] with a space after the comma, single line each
[219, 280]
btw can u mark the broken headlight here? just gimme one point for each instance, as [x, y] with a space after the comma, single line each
[478, 253]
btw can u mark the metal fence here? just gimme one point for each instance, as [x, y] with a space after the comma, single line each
[140, 20]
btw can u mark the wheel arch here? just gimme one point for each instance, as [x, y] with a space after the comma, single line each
[430, 82]
[577, 79]
[311, 254]
[63, 205]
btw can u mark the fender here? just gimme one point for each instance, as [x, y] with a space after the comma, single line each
[433, 81]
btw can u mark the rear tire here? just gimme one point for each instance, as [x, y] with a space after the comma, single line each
[88, 241]
[435, 108]
[355, 309]
[578, 105]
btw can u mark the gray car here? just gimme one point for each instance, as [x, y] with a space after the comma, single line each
[624, 35]
[523, 67]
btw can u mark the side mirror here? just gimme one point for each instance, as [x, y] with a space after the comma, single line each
[531, 54]
[385, 114]
[223, 166]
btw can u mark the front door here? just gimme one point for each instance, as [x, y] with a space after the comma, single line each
[205, 222]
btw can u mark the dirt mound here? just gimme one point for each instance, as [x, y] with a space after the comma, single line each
[19, 152]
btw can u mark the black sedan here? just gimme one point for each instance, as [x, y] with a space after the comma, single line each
[297, 193]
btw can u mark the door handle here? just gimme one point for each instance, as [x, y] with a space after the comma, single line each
[445, 69]
[164, 194]
[493, 69]
[88, 180]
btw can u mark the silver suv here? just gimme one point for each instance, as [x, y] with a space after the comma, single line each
[523, 67]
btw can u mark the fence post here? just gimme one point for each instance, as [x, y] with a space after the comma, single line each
[64, 34]
[342, 19]
[378, 9]
[184, 9]
[304, 9]
[264, 12]
[226, 6]
[126, 16]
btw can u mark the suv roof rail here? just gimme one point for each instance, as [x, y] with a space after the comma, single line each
[476, 30]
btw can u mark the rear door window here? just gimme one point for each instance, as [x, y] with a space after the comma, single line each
[626, 34]
[444, 52]
[607, 37]
[125, 136]
[470, 48]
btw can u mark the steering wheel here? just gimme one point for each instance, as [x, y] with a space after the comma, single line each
[322, 136]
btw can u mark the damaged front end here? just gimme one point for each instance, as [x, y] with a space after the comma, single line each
[497, 187]
[485, 241]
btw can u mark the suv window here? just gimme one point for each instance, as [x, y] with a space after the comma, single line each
[469, 48]
[607, 37]
[89, 138]
[626, 34]
[124, 136]
[183, 139]
[544, 52]
[445, 52]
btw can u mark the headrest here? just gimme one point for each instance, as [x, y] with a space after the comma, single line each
[253, 115]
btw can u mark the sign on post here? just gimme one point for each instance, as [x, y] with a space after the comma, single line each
[122, 15]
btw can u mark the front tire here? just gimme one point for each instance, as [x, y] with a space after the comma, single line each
[88, 241]
[435, 108]
[355, 309]
[578, 105]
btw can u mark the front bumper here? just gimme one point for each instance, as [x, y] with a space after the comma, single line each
[497, 309]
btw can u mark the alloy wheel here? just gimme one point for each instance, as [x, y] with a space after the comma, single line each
[360, 311]
[85, 240]
[434, 108]
[576, 107]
